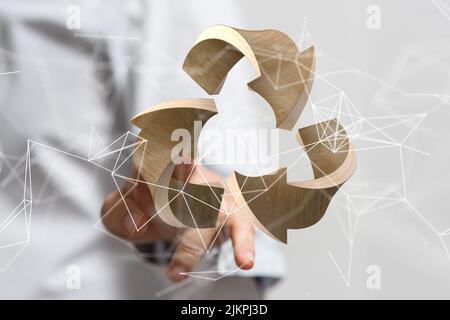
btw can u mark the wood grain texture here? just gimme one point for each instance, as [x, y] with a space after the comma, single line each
[275, 205]
[284, 74]
[284, 77]
[156, 166]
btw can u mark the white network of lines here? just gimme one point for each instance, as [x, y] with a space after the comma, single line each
[361, 130]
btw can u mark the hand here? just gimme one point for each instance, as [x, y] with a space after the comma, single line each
[190, 248]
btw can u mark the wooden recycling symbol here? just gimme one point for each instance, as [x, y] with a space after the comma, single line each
[283, 205]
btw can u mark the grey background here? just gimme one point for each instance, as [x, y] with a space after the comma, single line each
[401, 68]
[393, 213]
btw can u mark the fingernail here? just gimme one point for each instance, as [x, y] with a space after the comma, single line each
[177, 273]
[250, 256]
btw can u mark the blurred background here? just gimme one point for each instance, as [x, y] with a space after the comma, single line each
[392, 217]
[382, 68]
